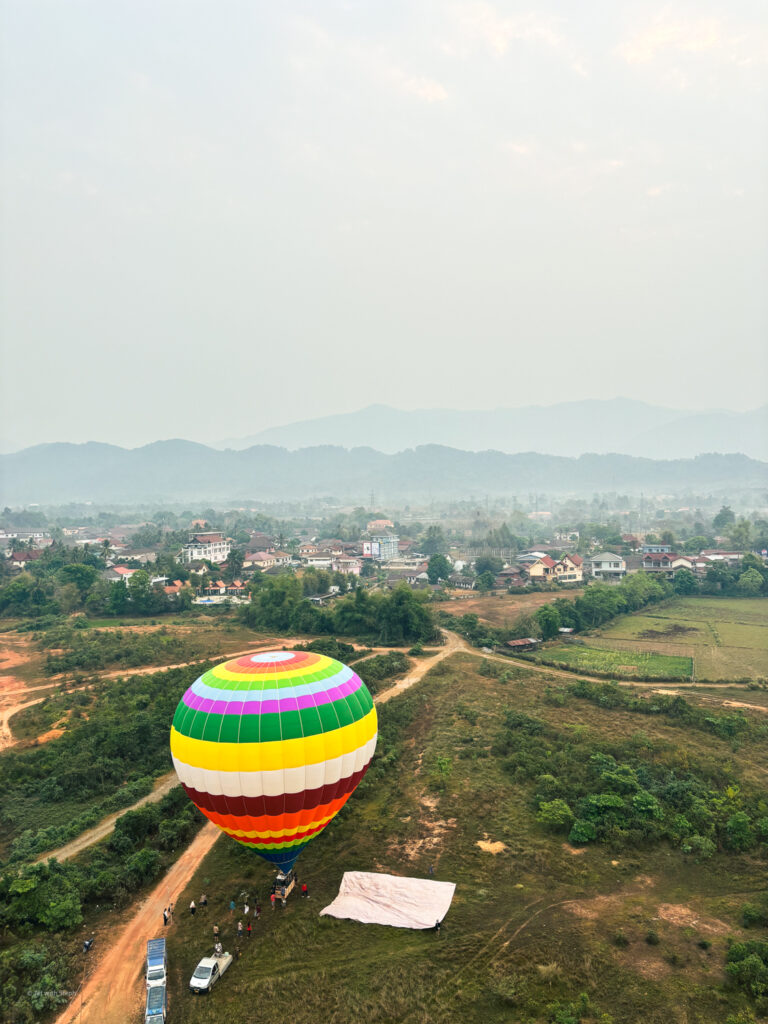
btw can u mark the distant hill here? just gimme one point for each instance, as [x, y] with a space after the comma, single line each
[569, 428]
[184, 471]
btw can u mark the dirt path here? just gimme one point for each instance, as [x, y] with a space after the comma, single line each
[453, 644]
[6, 736]
[112, 993]
[162, 786]
[149, 669]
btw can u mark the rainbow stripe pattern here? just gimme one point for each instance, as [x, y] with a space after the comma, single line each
[271, 746]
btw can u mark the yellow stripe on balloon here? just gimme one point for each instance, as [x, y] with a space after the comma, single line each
[276, 754]
[239, 833]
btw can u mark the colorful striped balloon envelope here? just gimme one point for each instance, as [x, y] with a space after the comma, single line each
[271, 746]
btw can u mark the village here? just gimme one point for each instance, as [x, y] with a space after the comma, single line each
[210, 566]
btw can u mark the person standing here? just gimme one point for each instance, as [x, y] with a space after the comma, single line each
[258, 910]
[246, 910]
[215, 933]
[272, 899]
[248, 930]
[239, 929]
[170, 911]
[231, 907]
[165, 916]
[204, 901]
[304, 890]
[192, 908]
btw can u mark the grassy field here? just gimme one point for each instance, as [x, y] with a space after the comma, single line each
[619, 664]
[539, 931]
[503, 609]
[726, 637]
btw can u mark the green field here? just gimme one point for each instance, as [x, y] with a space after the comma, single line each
[621, 664]
[540, 931]
[726, 637]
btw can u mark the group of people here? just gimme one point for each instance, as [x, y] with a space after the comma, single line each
[243, 930]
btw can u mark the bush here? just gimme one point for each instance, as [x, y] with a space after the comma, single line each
[700, 846]
[555, 815]
[382, 668]
[582, 832]
[755, 915]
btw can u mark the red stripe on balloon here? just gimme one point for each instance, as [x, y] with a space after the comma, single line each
[287, 803]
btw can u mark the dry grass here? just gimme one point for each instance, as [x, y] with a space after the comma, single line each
[502, 609]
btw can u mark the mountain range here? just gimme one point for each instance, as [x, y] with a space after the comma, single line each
[568, 428]
[180, 471]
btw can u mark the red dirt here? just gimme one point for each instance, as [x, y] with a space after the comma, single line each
[114, 992]
[52, 734]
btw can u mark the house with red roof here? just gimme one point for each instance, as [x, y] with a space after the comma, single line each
[19, 560]
[666, 563]
[119, 572]
[546, 569]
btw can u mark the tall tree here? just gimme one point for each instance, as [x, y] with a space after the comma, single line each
[433, 542]
[724, 518]
[438, 568]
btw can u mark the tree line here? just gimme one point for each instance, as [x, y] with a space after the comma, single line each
[399, 617]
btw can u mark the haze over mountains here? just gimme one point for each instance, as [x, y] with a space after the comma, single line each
[569, 428]
[173, 471]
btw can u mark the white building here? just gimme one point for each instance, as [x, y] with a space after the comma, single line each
[349, 566]
[213, 547]
[383, 547]
[608, 567]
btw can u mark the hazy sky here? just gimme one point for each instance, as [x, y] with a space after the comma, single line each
[222, 216]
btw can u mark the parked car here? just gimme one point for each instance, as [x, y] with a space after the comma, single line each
[157, 1005]
[157, 964]
[208, 972]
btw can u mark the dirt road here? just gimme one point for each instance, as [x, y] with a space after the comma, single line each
[162, 786]
[453, 644]
[149, 669]
[6, 736]
[114, 991]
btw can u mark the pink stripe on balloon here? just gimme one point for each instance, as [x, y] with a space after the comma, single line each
[271, 707]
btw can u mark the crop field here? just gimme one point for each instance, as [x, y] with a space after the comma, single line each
[622, 664]
[503, 609]
[540, 930]
[726, 637]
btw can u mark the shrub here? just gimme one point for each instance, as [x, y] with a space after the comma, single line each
[582, 832]
[555, 815]
[702, 847]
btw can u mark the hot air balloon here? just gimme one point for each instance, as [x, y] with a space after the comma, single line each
[270, 747]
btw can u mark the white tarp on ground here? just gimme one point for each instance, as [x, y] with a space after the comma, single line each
[389, 899]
